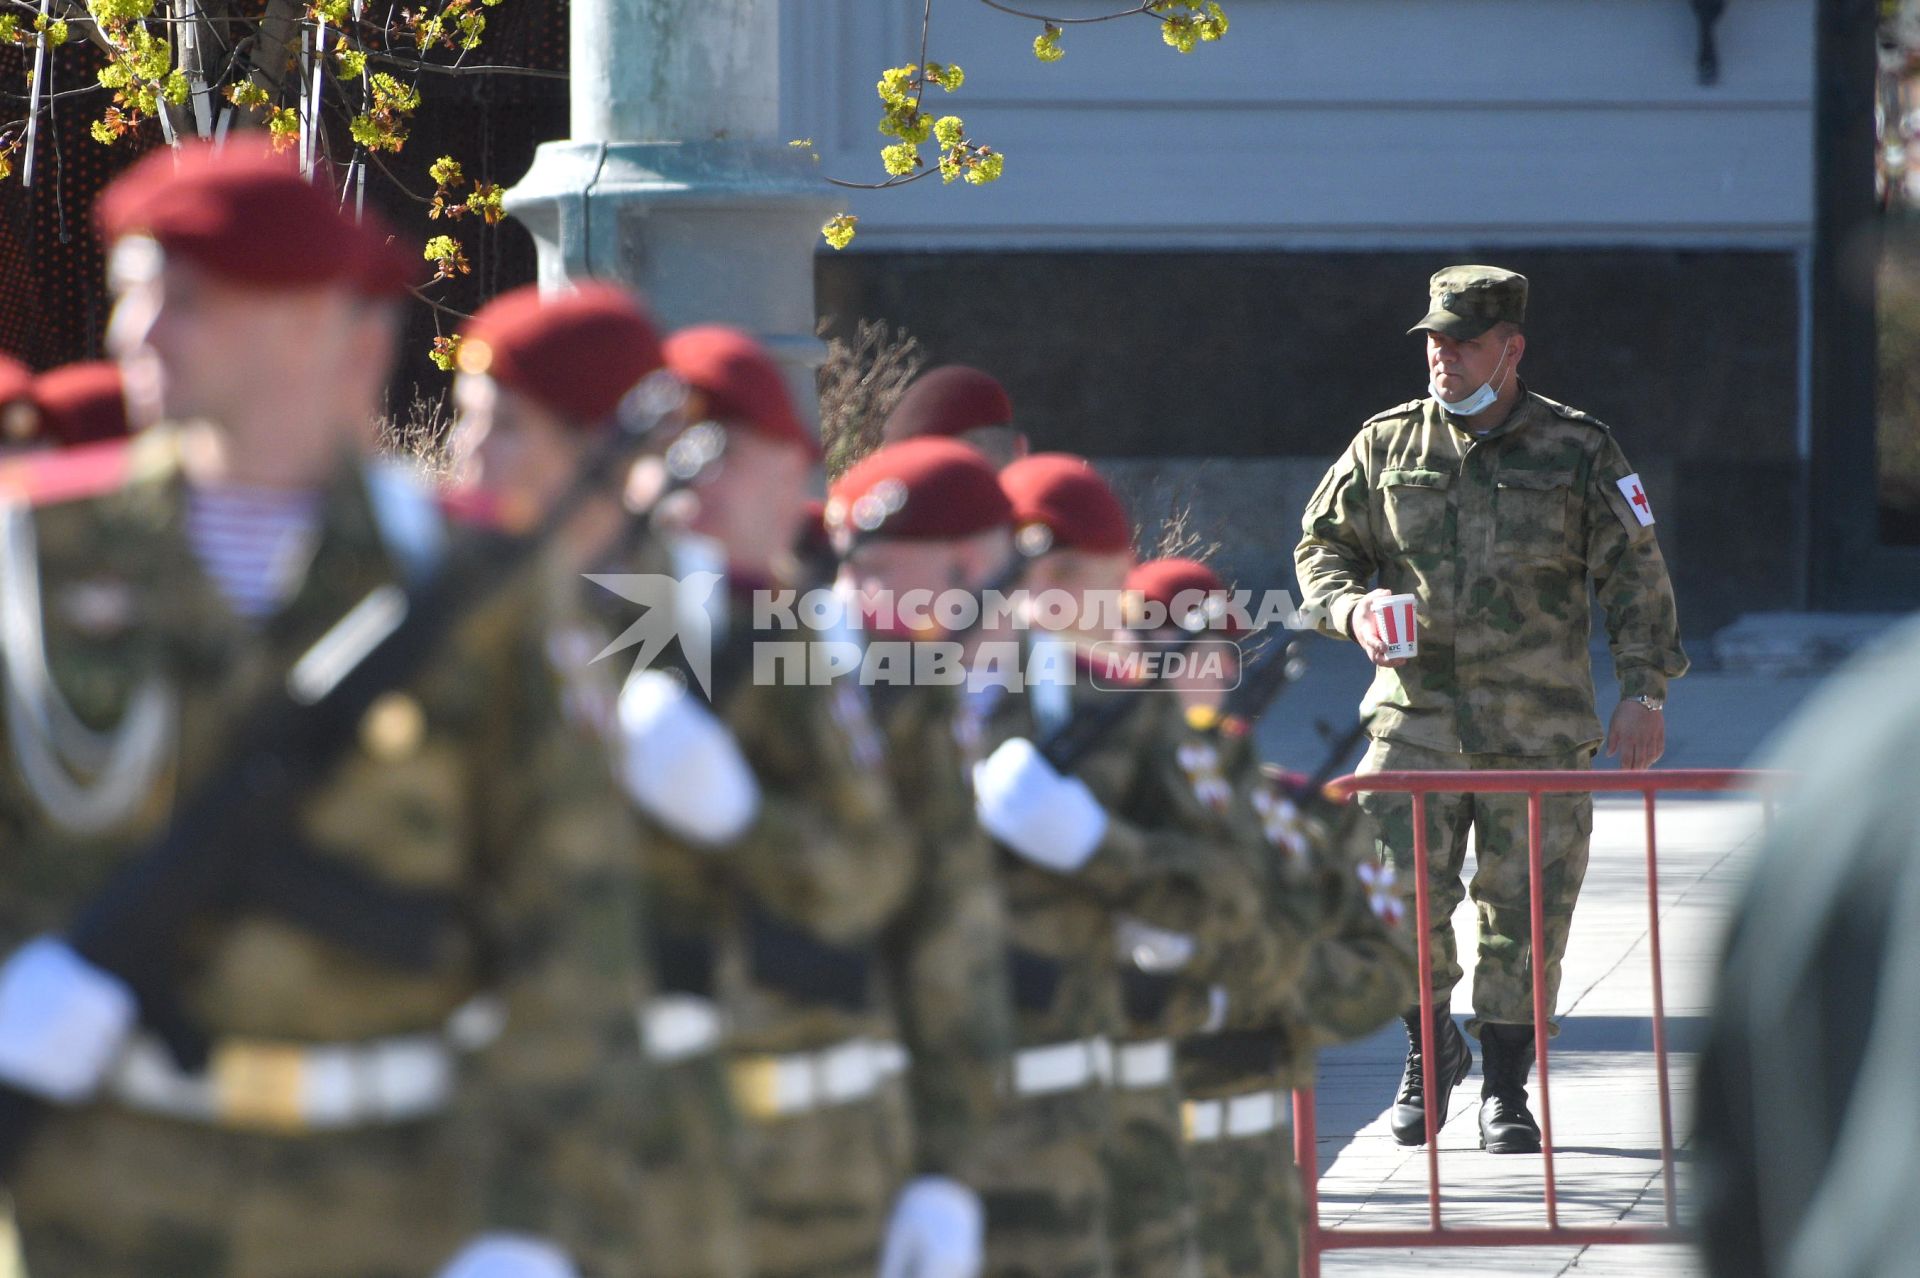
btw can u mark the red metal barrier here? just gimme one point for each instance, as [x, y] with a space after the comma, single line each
[1314, 1238]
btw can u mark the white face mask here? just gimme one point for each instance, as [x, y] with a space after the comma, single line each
[1480, 400]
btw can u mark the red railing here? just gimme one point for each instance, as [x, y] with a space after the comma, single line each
[1316, 1239]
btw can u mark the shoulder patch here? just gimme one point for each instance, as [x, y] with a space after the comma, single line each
[1573, 414]
[1408, 409]
[71, 474]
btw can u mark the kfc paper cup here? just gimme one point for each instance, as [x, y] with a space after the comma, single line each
[1397, 626]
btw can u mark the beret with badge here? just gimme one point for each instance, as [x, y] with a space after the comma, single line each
[926, 489]
[948, 401]
[246, 216]
[574, 353]
[733, 380]
[1061, 503]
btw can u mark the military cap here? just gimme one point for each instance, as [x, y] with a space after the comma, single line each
[247, 216]
[919, 490]
[573, 353]
[734, 381]
[950, 400]
[1061, 503]
[1466, 301]
[1181, 586]
[82, 404]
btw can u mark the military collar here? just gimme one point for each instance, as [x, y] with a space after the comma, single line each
[1525, 408]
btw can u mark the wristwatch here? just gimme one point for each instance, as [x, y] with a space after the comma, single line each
[1654, 704]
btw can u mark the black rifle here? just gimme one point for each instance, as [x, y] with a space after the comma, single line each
[288, 742]
[1260, 687]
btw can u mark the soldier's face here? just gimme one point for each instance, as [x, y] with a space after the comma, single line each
[510, 448]
[1459, 368]
[237, 357]
[754, 499]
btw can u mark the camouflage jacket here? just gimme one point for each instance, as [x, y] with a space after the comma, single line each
[783, 924]
[1497, 536]
[466, 784]
[1167, 860]
[946, 951]
[1359, 971]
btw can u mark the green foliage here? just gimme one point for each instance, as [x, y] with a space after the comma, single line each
[838, 230]
[1046, 45]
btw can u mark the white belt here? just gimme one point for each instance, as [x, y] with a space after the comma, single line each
[1233, 1118]
[679, 1027]
[1062, 1067]
[291, 1087]
[779, 1086]
[1142, 1065]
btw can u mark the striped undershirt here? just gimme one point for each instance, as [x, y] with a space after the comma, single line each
[252, 542]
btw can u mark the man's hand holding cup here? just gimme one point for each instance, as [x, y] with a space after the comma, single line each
[1385, 628]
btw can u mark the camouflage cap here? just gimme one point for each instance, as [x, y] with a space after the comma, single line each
[1469, 300]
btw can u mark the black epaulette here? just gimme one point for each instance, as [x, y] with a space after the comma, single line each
[1408, 409]
[1573, 414]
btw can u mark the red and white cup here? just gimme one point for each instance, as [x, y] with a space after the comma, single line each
[1398, 628]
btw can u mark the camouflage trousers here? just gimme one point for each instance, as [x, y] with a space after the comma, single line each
[1248, 1196]
[1046, 1189]
[1503, 976]
[692, 1213]
[107, 1193]
[820, 1185]
[1152, 1195]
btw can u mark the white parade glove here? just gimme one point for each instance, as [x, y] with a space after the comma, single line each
[1052, 820]
[682, 765]
[63, 1021]
[937, 1230]
[510, 1256]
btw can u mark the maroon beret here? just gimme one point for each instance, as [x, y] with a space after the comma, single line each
[575, 353]
[948, 401]
[248, 217]
[920, 489]
[1065, 495]
[82, 404]
[734, 380]
[1181, 586]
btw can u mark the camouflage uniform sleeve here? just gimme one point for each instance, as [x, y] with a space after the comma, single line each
[1336, 561]
[946, 960]
[1630, 579]
[555, 1106]
[1362, 972]
[826, 851]
[1170, 861]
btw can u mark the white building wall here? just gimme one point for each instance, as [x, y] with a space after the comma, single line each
[1333, 123]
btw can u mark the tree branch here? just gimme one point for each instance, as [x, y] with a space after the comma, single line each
[1069, 22]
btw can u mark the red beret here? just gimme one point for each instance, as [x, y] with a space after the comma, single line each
[575, 354]
[247, 216]
[921, 489]
[734, 380]
[82, 404]
[1181, 585]
[1066, 496]
[949, 401]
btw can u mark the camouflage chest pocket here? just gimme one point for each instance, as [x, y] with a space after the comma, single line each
[1414, 502]
[1530, 512]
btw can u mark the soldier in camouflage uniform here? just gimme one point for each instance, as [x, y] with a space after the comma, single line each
[1317, 878]
[928, 514]
[373, 1098]
[540, 381]
[1494, 507]
[1111, 858]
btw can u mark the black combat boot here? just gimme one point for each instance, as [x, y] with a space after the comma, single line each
[1409, 1117]
[1506, 1127]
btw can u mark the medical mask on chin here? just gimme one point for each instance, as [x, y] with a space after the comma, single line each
[1480, 400]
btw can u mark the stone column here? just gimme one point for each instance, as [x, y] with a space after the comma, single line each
[676, 180]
